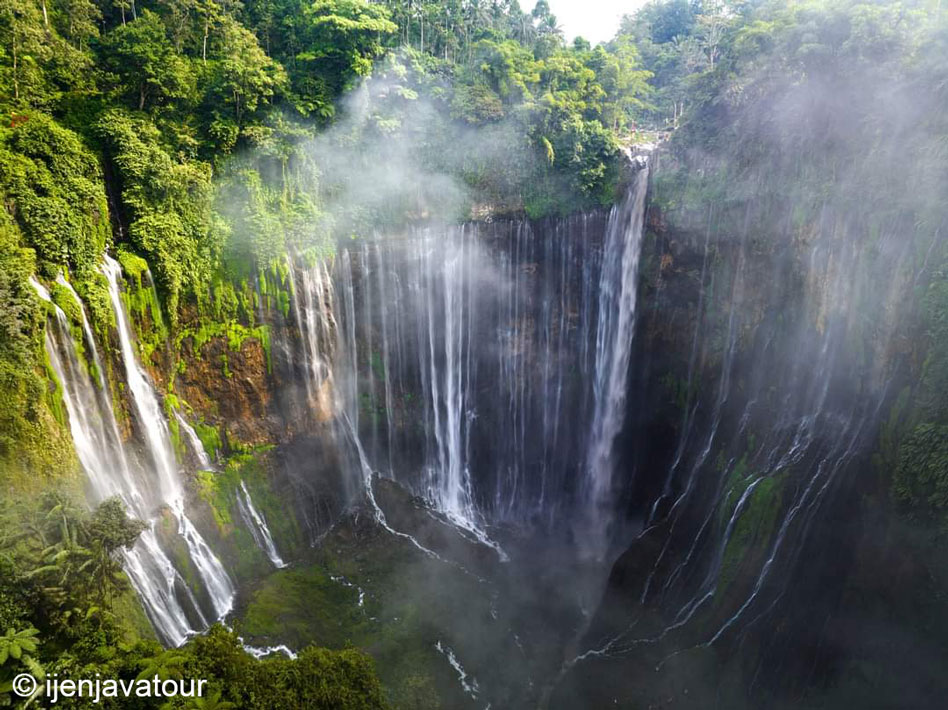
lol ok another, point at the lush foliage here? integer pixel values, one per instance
(65, 608)
(188, 132)
(201, 141)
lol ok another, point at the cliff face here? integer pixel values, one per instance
(770, 390)
(772, 351)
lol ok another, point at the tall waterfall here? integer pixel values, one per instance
(795, 378)
(484, 366)
(618, 286)
(219, 587)
(144, 487)
(102, 454)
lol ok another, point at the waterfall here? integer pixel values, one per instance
(485, 366)
(253, 519)
(312, 308)
(219, 587)
(194, 440)
(618, 285)
(101, 452)
(257, 525)
(794, 385)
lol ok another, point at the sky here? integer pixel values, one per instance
(596, 20)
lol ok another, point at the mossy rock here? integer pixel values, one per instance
(753, 529)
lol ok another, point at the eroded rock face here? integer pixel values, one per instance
(764, 356)
(231, 388)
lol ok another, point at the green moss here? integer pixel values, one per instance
(276, 287)
(94, 292)
(284, 528)
(142, 304)
(753, 528)
(127, 608)
(213, 492)
(398, 623)
(210, 438)
(236, 545)
(304, 605)
(54, 394)
(920, 482)
(232, 300)
(171, 405)
(737, 482)
(64, 299)
(233, 332)
(133, 265)
(68, 304)
(177, 550)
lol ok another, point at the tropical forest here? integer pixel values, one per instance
(474, 354)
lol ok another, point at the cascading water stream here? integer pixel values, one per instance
(253, 519)
(197, 447)
(257, 525)
(790, 412)
(313, 304)
(101, 452)
(496, 339)
(158, 442)
(617, 300)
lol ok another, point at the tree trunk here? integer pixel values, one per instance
(141, 98)
(16, 82)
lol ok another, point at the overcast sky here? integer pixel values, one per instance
(596, 20)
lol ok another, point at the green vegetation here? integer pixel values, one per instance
(181, 134)
(753, 530)
(297, 605)
(203, 142)
(67, 608)
(377, 594)
(60, 578)
(921, 476)
(53, 186)
(318, 678)
(821, 122)
(220, 490)
(231, 331)
(34, 446)
(782, 114)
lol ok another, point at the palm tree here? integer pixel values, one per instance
(62, 563)
(550, 27)
(104, 573)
